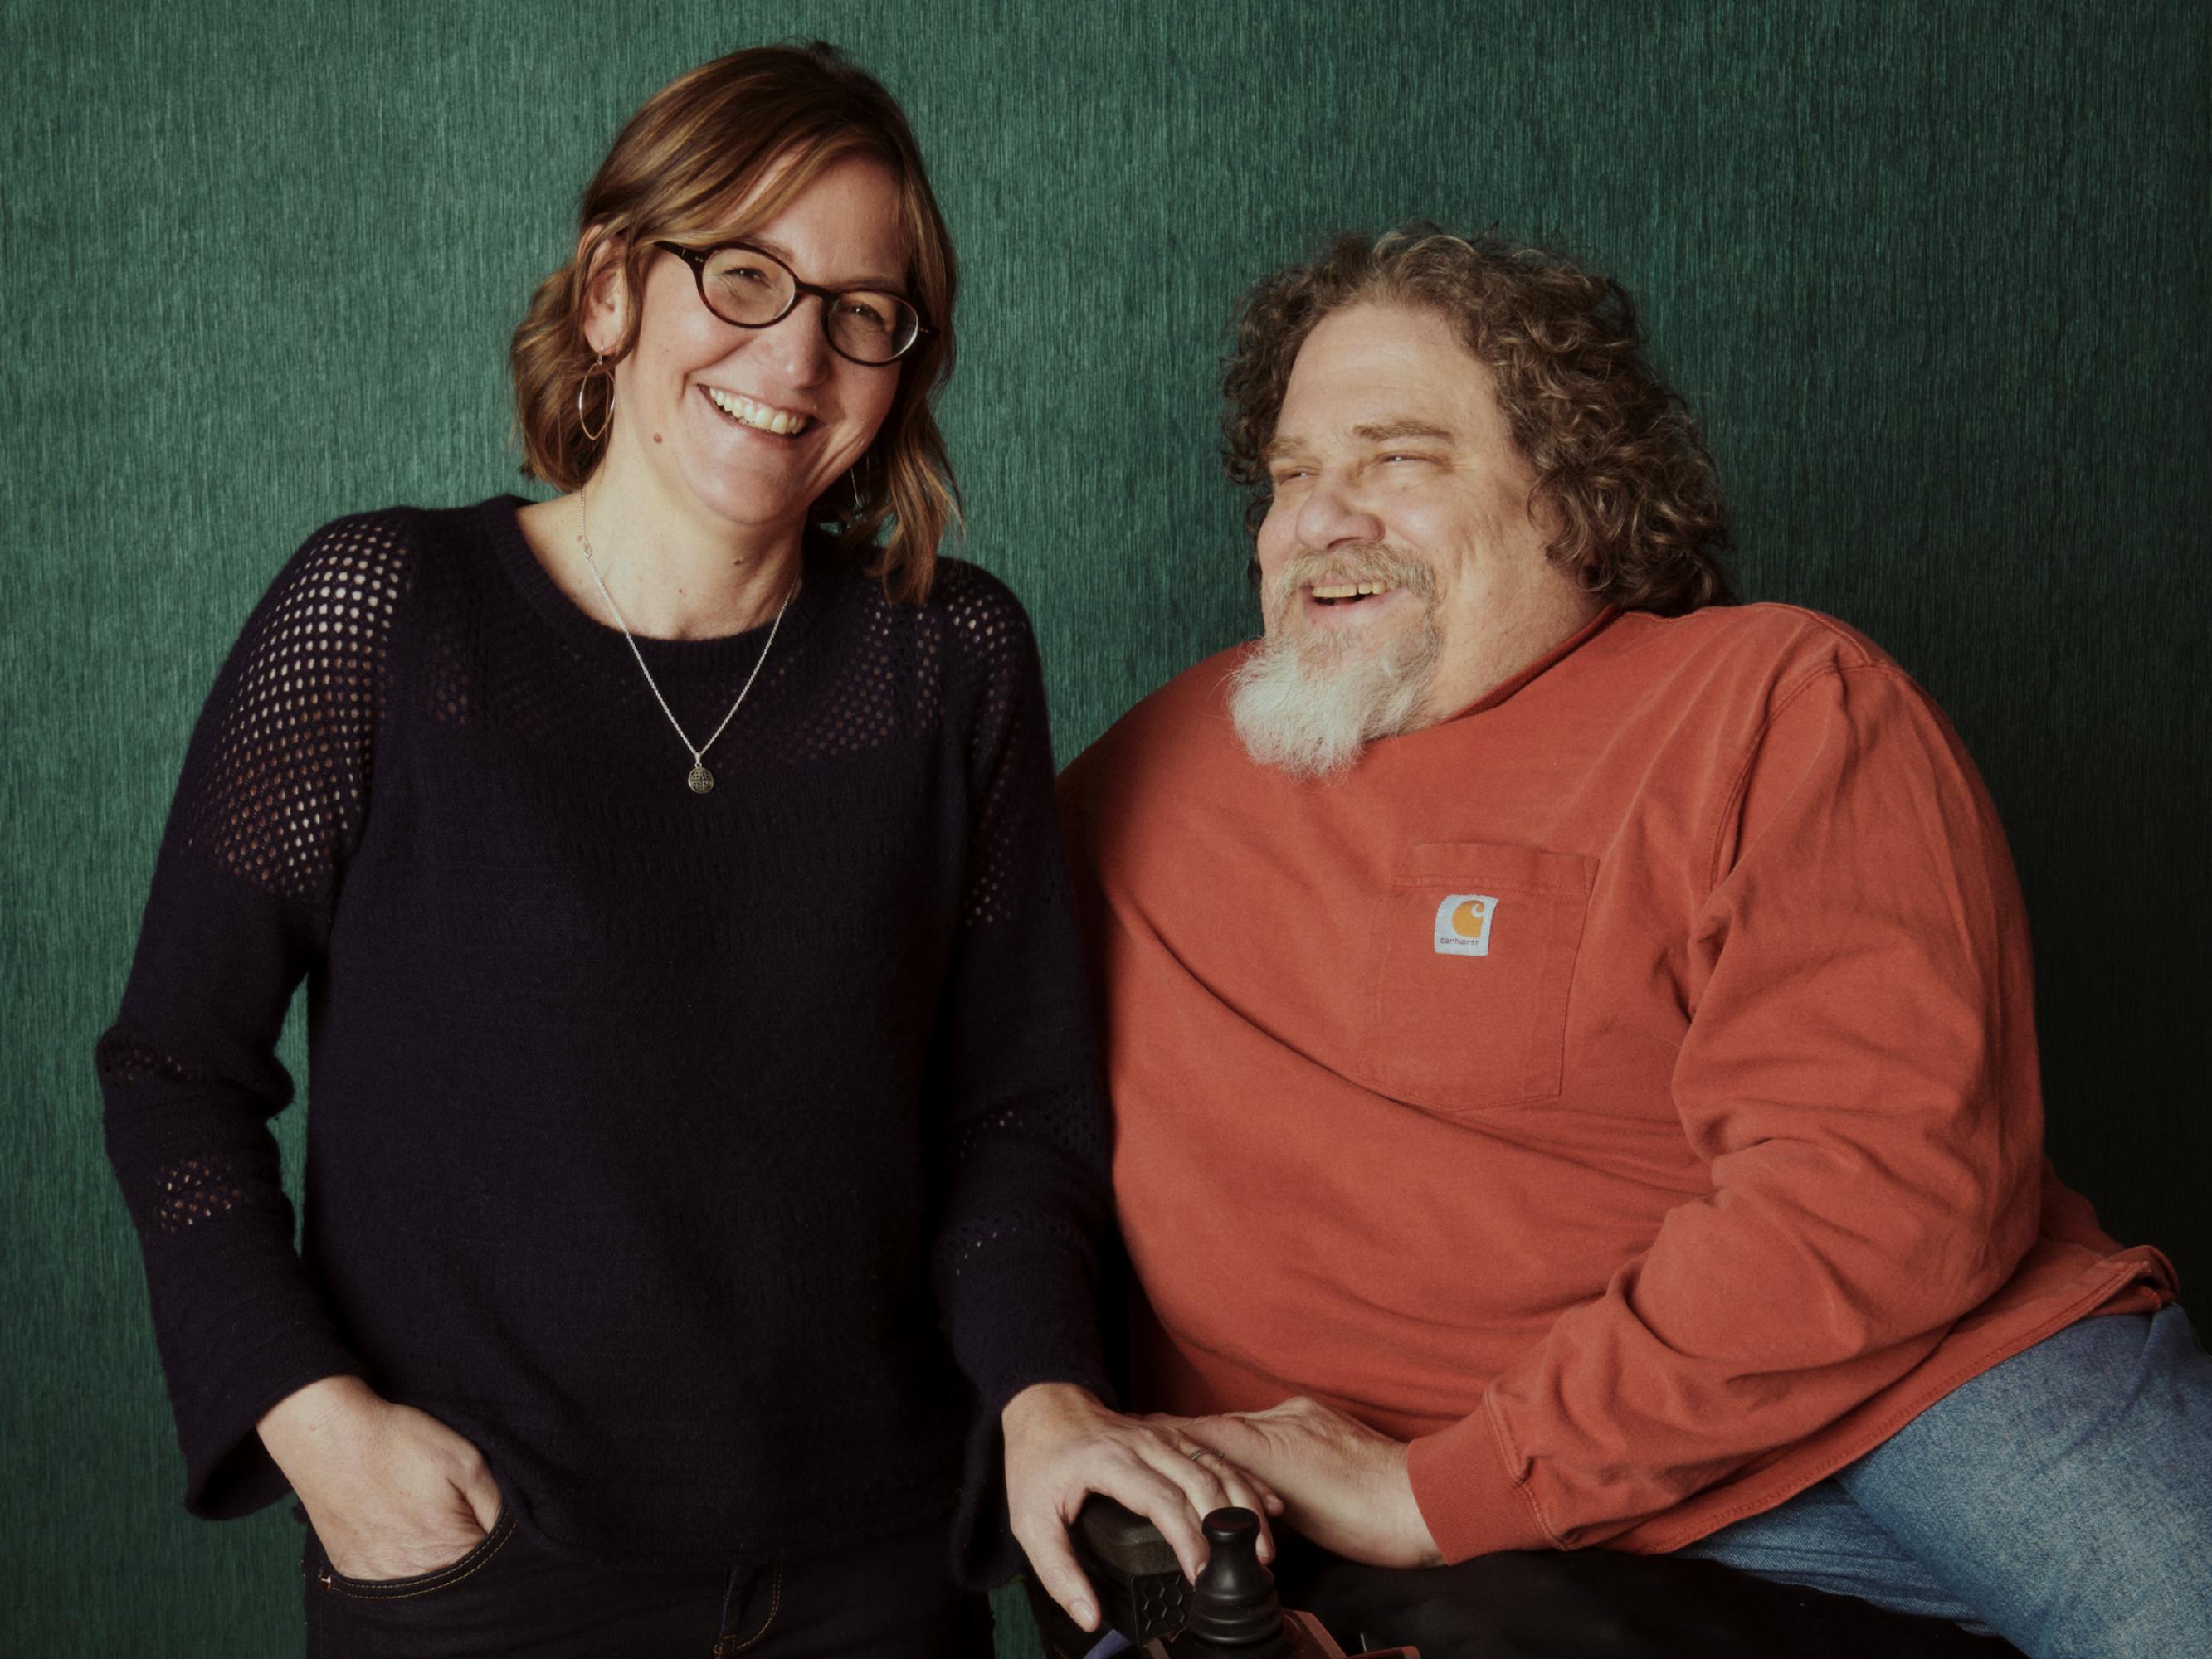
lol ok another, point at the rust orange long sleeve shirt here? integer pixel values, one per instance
(1624, 1090)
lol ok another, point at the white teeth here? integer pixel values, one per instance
(758, 416)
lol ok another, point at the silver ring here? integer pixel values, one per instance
(1197, 1455)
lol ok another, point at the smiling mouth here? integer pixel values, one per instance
(760, 417)
(1335, 594)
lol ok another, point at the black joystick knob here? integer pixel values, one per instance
(1233, 1607)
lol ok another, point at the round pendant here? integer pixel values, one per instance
(700, 779)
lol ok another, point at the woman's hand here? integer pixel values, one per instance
(392, 1492)
(1062, 1445)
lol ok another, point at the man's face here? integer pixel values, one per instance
(1401, 575)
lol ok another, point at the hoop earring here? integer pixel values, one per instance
(598, 367)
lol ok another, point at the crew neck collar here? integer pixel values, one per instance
(1550, 660)
(822, 572)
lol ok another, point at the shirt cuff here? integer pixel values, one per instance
(984, 1553)
(228, 1471)
(1468, 1495)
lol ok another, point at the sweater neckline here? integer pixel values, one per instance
(822, 572)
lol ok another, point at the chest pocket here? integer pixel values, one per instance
(1473, 958)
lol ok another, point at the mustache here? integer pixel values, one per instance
(1352, 561)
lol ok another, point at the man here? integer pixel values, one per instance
(1571, 1036)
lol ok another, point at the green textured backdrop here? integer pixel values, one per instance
(1933, 273)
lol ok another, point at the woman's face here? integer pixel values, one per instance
(675, 391)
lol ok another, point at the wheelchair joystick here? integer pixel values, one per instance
(1233, 1607)
(1150, 1608)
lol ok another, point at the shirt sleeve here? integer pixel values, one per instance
(1860, 1074)
(274, 792)
(1026, 1195)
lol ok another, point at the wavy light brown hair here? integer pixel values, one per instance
(1620, 467)
(694, 151)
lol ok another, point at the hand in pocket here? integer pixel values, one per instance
(392, 1492)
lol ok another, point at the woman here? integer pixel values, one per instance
(704, 1125)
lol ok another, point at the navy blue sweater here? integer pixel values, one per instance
(713, 1162)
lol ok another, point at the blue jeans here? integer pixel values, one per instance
(2062, 1499)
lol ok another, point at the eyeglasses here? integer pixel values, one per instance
(743, 285)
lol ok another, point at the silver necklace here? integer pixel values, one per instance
(699, 777)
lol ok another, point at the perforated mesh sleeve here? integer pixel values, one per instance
(275, 789)
(1027, 1198)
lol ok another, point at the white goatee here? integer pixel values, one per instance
(1309, 700)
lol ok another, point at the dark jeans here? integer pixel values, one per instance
(511, 1597)
(1600, 1604)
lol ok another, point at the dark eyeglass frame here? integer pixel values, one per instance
(697, 257)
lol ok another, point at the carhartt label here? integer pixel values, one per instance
(1463, 924)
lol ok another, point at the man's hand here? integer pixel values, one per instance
(392, 1492)
(1062, 1445)
(1345, 1485)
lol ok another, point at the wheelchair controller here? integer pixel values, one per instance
(1147, 1607)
